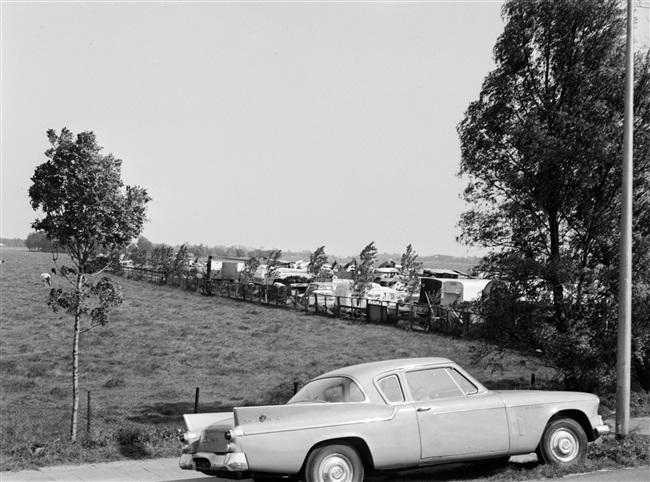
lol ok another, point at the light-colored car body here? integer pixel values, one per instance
(388, 415)
(320, 294)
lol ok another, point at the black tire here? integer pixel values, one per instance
(334, 463)
(563, 443)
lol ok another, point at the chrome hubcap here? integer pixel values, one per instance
(565, 445)
(336, 468)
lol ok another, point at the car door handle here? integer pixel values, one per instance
(424, 409)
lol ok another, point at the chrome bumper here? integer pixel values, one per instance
(235, 462)
(602, 429)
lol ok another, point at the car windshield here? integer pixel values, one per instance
(329, 390)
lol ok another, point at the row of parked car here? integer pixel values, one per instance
(329, 294)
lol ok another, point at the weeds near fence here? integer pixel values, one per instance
(22, 452)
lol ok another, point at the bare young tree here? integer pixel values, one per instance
(84, 209)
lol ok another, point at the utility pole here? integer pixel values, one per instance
(624, 343)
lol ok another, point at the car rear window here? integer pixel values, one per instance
(330, 390)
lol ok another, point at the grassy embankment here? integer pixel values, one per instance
(163, 343)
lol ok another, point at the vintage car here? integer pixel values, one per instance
(387, 416)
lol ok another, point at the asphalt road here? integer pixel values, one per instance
(167, 470)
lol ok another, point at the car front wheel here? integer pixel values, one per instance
(563, 443)
(334, 463)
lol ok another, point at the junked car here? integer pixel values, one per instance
(321, 294)
(386, 416)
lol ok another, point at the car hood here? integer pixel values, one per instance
(539, 397)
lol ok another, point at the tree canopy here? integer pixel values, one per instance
(364, 272)
(411, 268)
(85, 204)
(542, 149)
(317, 260)
(37, 241)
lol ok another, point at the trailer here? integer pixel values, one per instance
(447, 291)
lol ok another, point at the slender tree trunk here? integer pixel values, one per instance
(75, 380)
(556, 285)
(75, 361)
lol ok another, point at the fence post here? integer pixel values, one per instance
(196, 401)
(88, 416)
(295, 387)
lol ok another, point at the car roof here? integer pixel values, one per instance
(366, 373)
(371, 369)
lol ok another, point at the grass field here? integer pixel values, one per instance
(162, 344)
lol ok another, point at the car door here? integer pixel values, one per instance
(454, 417)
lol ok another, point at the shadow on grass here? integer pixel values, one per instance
(166, 413)
(135, 451)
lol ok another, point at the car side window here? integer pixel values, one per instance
(432, 384)
(464, 384)
(391, 389)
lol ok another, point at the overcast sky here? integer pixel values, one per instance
(285, 125)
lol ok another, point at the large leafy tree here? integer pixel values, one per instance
(37, 241)
(542, 148)
(85, 210)
(145, 245)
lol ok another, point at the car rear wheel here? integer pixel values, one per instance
(334, 463)
(563, 443)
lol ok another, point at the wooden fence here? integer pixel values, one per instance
(411, 316)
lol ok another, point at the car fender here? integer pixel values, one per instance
(529, 412)
(197, 422)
